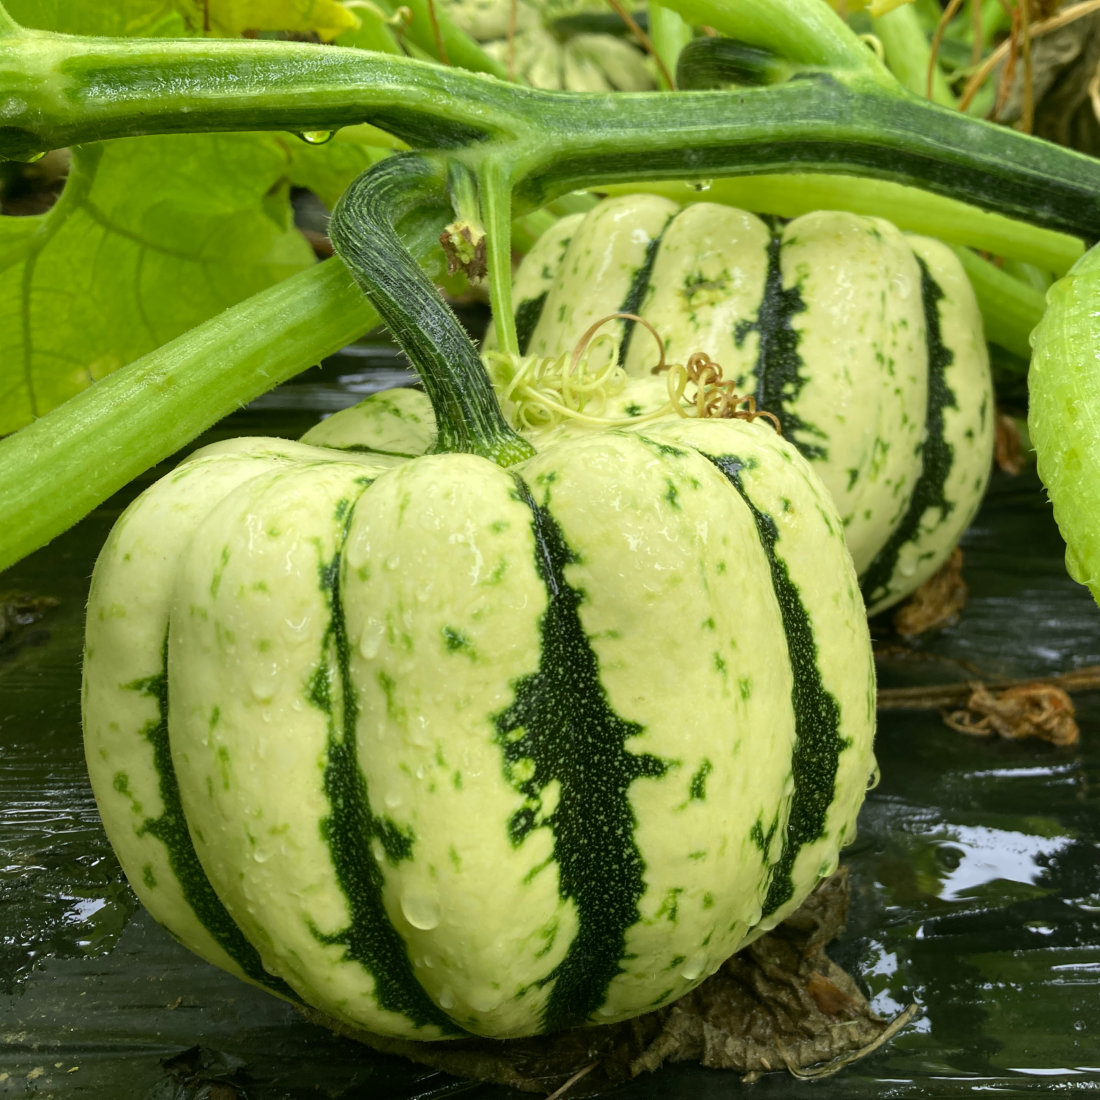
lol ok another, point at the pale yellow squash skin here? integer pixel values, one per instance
(969, 422)
(127, 622)
(858, 405)
(440, 606)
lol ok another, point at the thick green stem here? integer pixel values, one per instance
(718, 62)
(496, 207)
(909, 54)
(468, 416)
(861, 123)
(807, 31)
(459, 47)
(669, 33)
(65, 89)
(819, 124)
(58, 468)
(1010, 307)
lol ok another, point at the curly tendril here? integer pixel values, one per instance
(541, 392)
(714, 397)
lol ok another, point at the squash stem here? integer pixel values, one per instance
(853, 119)
(819, 123)
(496, 205)
(365, 234)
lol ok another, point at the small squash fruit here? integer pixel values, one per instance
(864, 342)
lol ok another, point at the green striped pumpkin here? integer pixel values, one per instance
(439, 747)
(867, 344)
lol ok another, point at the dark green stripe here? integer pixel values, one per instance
(171, 830)
(527, 317)
(352, 826)
(778, 369)
(561, 722)
(937, 455)
(818, 742)
(635, 296)
(362, 448)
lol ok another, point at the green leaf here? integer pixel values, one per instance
(328, 170)
(230, 18)
(131, 18)
(150, 237)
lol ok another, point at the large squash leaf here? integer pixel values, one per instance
(150, 237)
(129, 18)
(229, 18)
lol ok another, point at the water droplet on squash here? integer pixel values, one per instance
(421, 911)
(446, 999)
(316, 137)
(694, 967)
(263, 688)
(370, 641)
(392, 800)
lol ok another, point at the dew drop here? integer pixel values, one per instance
(392, 800)
(261, 855)
(446, 999)
(263, 688)
(694, 967)
(370, 641)
(421, 911)
(1039, 928)
(316, 137)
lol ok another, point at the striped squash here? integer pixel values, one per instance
(867, 344)
(440, 748)
(570, 45)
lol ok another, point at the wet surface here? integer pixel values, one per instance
(975, 876)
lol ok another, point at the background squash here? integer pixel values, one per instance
(867, 345)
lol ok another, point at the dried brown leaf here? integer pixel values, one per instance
(937, 602)
(1026, 710)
